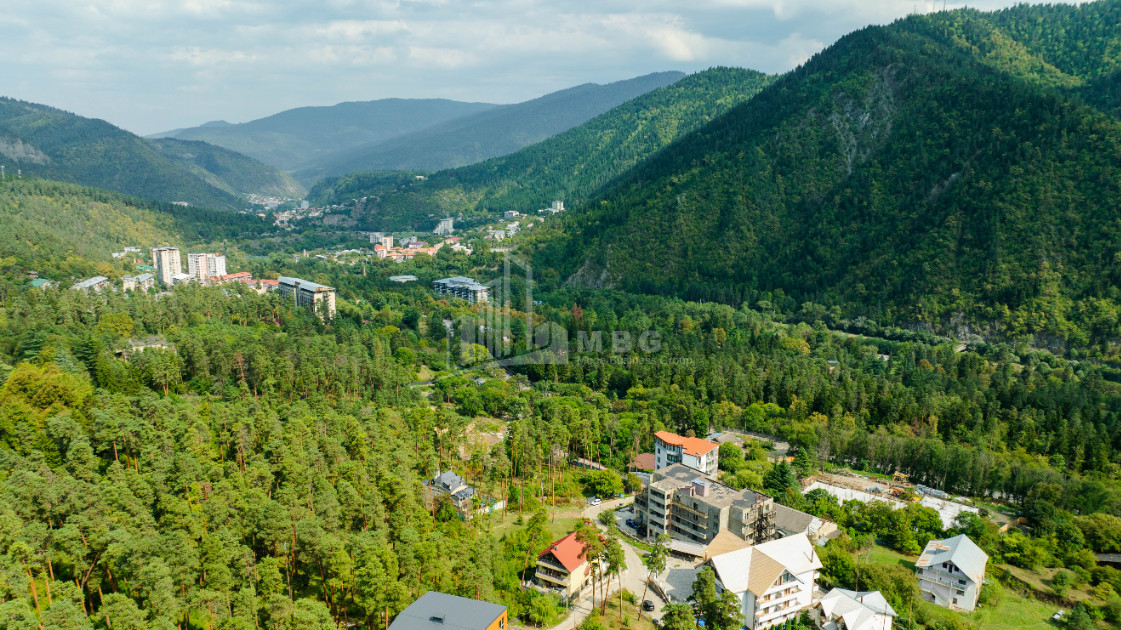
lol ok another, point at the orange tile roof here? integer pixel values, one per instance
(691, 446)
(567, 551)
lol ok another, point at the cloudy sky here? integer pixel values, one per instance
(153, 65)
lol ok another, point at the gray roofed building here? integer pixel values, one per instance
(440, 611)
(789, 521)
(853, 610)
(462, 287)
(95, 283)
(452, 485)
(951, 571)
(318, 297)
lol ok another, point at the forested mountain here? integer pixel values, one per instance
(231, 171)
(63, 231)
(293, 137)
(570, 166)
(486, 134)
(46, 142)
(945, 170)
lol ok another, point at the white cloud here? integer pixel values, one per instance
(155, 64)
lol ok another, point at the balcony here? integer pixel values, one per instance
(769, 613)
(936, 577)
(542, 563)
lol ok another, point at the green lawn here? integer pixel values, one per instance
(883, 555)
(1014, 611)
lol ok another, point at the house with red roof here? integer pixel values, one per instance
(562, 567)
(698, 454)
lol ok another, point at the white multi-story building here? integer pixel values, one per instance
(446, 226)
(167, 263)
(774, 581)
(203, 267)
(951, 572)
(319, 298)
(698, 454)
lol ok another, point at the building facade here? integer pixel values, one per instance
(462, 287)
(700, 455)
(445, 227)
(142, 282)
(679, 503)
(951, 572)
(774, 581)
(96, 283)
(561, 568)
(167, 264)
(319, 298)
(203, 267)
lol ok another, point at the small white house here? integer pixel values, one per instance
(842, 609)
(774, 581)
(951, 572)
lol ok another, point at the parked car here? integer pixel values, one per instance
(630, 523)
(594, 501)
(648, 605)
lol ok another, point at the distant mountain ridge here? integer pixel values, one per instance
(290, 138)
(491, 133)
(46, 142)
(570, 166)
(957, 171)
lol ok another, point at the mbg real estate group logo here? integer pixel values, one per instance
(504, 332)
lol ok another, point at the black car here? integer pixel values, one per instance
(648, 605)
(630, 523)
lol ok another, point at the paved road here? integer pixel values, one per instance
(634, 577)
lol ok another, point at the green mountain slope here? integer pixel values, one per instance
(904, 174)
(569, 166)
(487, 134)
(293, 137)
(230, 171)
(65, 231)
(46, 142)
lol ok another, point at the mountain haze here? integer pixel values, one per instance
(293, 137)
(487, 134)
(46, 142)
(571, 165)
(945, 170)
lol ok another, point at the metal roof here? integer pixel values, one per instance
(960, 550)
(304, 284)
(437, 611)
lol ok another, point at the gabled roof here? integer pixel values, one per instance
(724, 542)
(960, 550)
(567, 551)
(691, 446)
(859, 610)
(756, 568)
(436, 611)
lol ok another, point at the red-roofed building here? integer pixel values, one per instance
(241, 276)
(560, 567)
(643, 461)
(698, 454)
(268, 285)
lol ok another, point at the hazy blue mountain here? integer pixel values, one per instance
(498, 131)
(294, 136)
(229, 170)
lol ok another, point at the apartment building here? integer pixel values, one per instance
(690, 508)
(203, 267)
(951, 572)
(774, 581)
(700, 455)
(439, 611)
(462, 287)
(320, 298)
(167, 264)
(142, 282)
(96, 283)
(446, 226)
